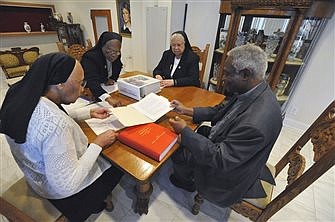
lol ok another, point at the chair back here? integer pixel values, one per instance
(76, 50)
(322, 136)
(202, 60)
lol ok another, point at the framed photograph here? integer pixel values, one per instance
(124, 17)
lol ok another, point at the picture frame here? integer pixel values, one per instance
(124, 17)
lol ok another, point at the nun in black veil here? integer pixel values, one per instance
(49, 146)
(102, 65)
(179, 65)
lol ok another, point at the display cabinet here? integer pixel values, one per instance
(70, 34)
(286, 30)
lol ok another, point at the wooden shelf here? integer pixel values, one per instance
(16, 34)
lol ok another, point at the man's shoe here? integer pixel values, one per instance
(188, 187)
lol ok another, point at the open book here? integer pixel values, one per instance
(147, 110)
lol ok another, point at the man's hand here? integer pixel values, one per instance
(100, 113)
(159, 77)
(105, 139)
(113, 102)
(167, 83)
(180, 108)
(177, 124)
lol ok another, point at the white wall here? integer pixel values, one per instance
(201, 26)
(316, 88)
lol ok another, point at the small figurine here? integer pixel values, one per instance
(69, 17)
(42, 27)
(26, 27)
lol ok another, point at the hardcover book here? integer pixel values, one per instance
(150, 139)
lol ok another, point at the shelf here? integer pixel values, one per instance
(295, 61)
(16, 34)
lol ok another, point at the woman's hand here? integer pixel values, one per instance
(105, 139)
(100, 113)
(177, 124)
(159, 77)
(110, 82)
(113, 102)
(167, 83)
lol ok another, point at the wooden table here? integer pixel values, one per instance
(138, 165)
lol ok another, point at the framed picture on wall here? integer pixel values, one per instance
(124, 17)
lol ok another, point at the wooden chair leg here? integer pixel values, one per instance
(198, 200)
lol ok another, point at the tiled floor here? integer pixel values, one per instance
(168, 203)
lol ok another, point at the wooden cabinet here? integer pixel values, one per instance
(286, 30)
(70, 34)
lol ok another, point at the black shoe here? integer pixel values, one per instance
(188, 187)
(99, 208)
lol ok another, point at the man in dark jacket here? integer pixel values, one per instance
(226, 161)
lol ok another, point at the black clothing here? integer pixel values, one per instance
(80, 206)
(95, 65)
(22, 98)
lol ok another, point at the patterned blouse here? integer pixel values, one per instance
(56, 159)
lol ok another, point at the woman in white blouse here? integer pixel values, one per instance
(49, 146)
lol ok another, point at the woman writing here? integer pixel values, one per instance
(179, 66)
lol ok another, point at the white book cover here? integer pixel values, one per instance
(138, 86)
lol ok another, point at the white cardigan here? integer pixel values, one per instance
(56, 159)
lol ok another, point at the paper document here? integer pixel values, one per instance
(110, 88)
(147, 110)
(101, 125)
(79, 103)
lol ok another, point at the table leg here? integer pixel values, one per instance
(143, 192)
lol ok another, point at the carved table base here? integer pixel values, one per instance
(143, 192)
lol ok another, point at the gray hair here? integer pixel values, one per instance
(250, 57)
(177, 36)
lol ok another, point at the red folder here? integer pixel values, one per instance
(151, 139)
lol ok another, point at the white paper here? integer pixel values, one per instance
(153, 106)
(79, 103)
(110, 88)
(101, 125)
(147, 110)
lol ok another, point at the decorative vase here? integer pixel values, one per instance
(42, 27)
(26, 27)
(69, 17)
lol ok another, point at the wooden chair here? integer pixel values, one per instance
(76, 50)
(202, 63)
(322, 135)
(21, 203)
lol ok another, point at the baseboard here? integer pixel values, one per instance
(295, 124)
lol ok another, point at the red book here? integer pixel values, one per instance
(151, 139)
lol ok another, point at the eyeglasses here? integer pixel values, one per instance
(115, 52)
(83, 83)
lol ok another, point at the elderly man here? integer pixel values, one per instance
(226, 161)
